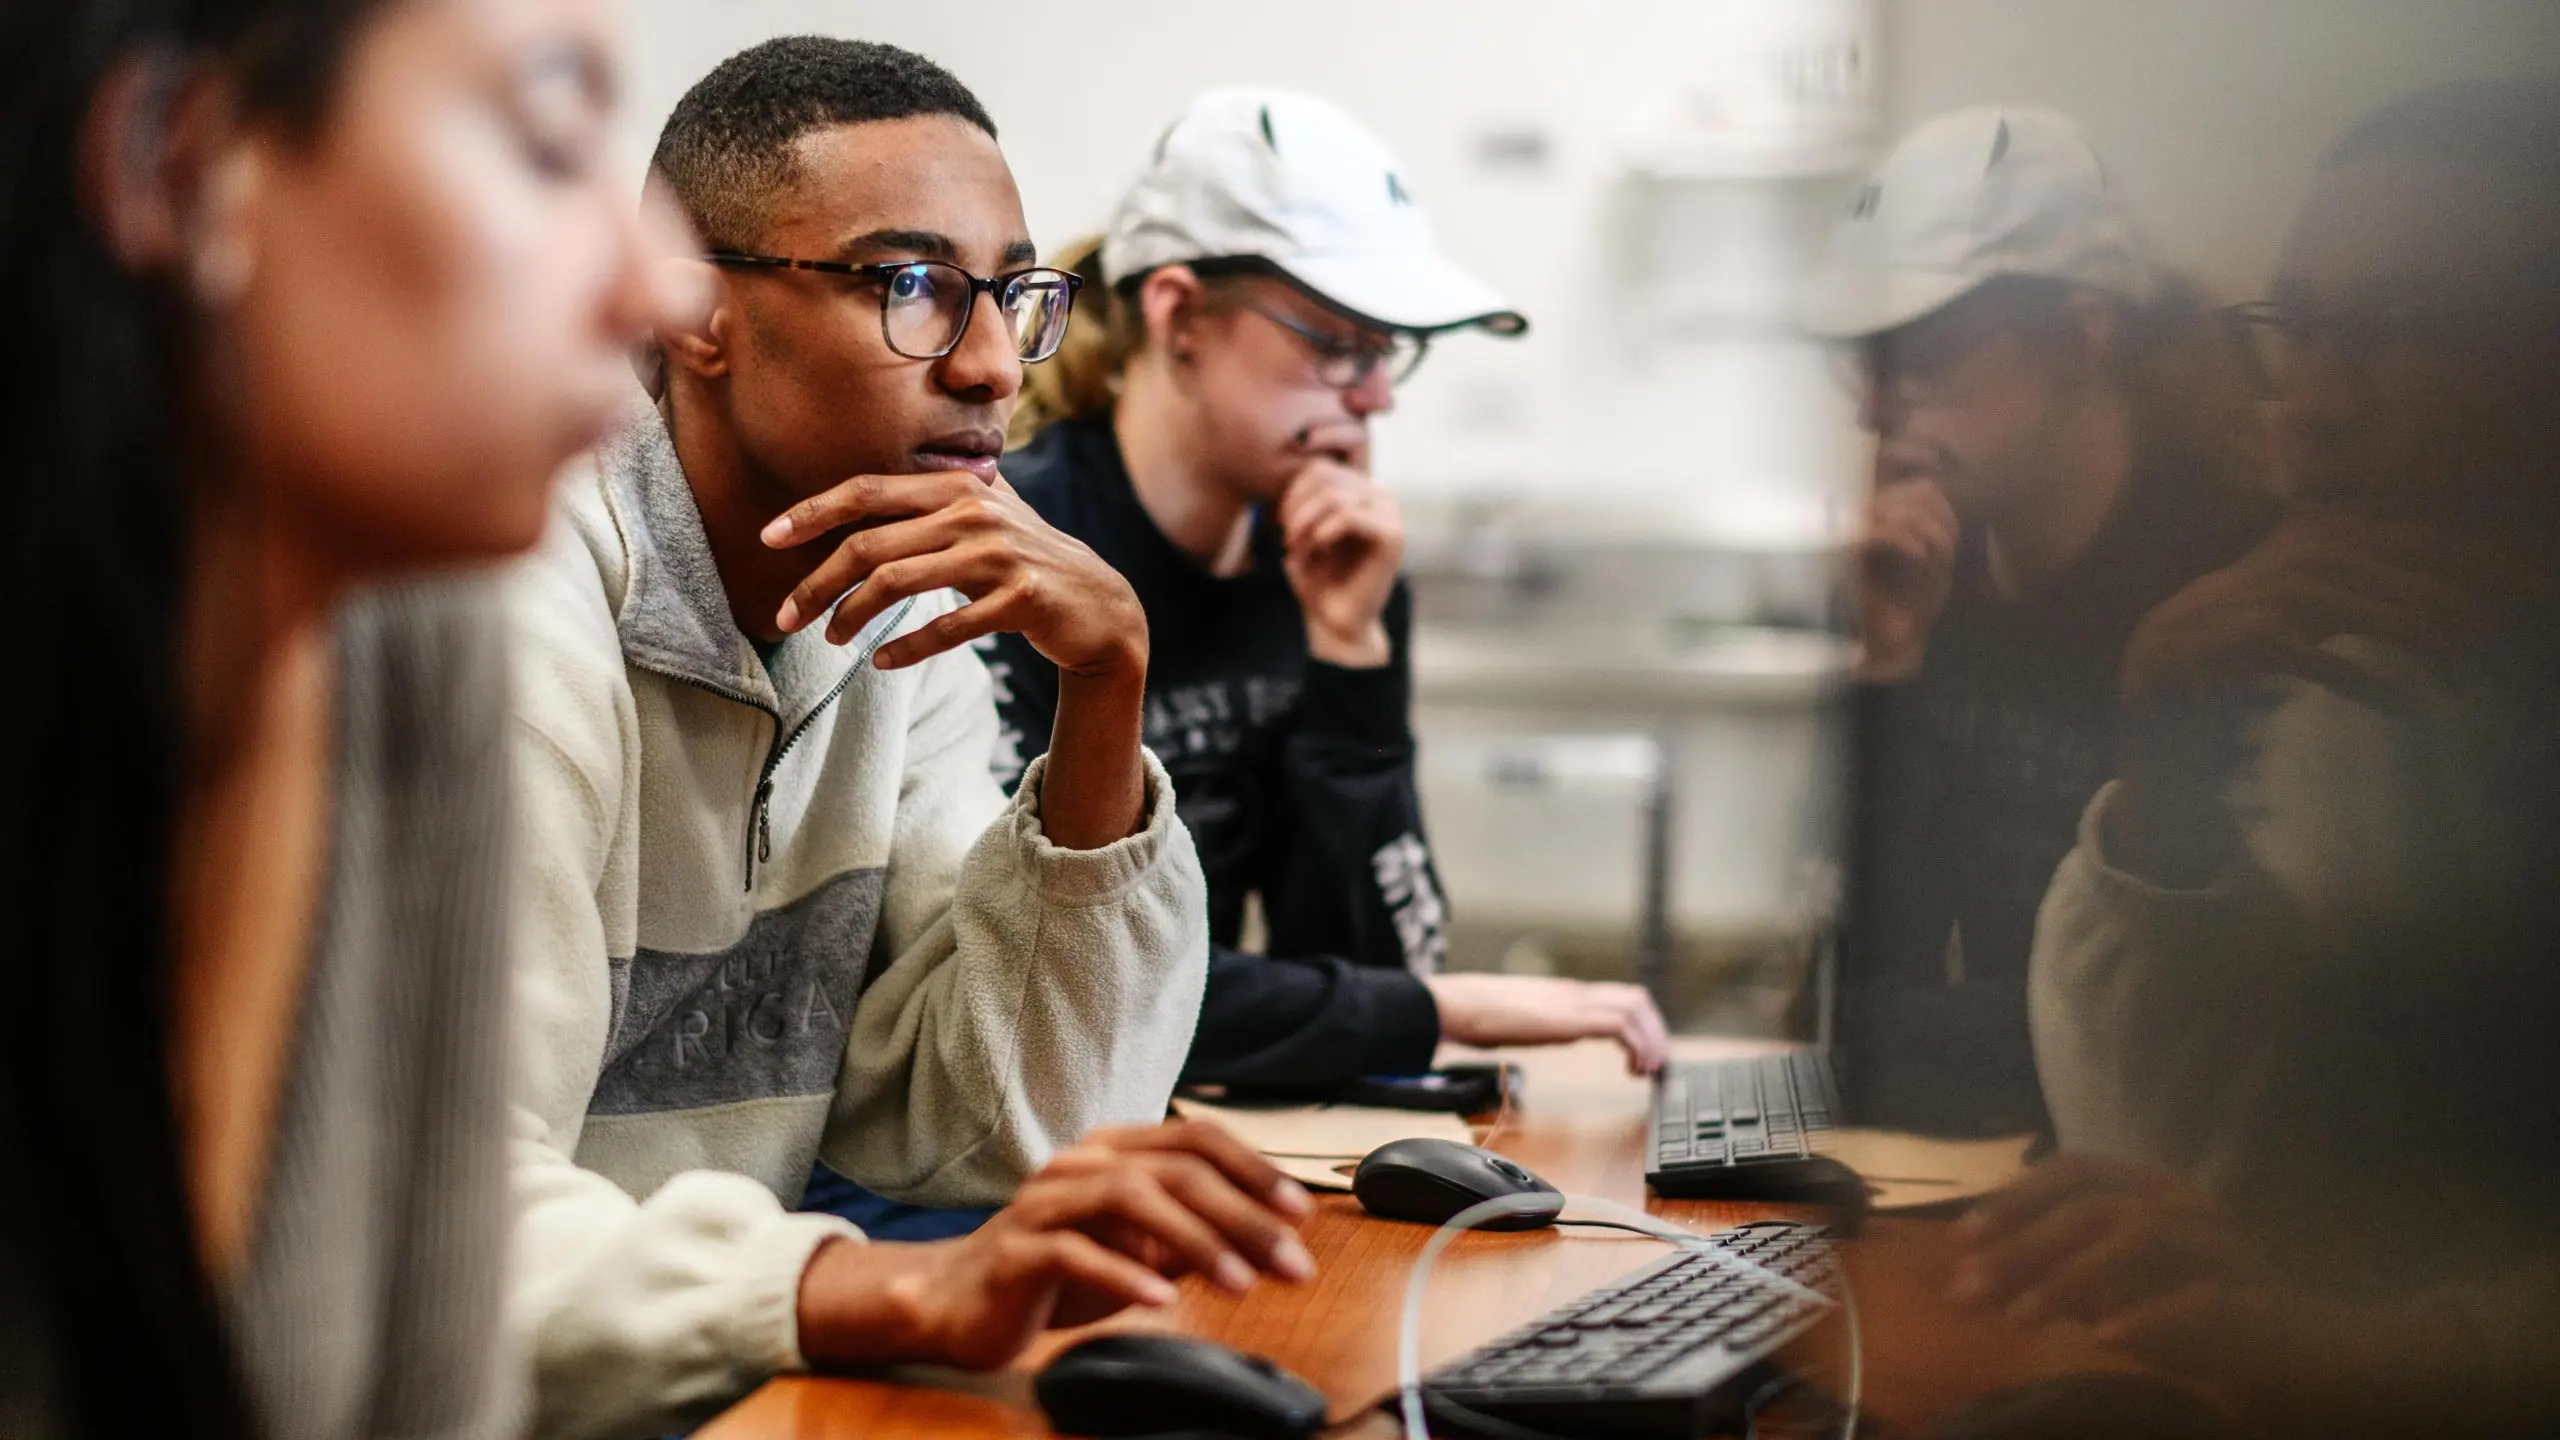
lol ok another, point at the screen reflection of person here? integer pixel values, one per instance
(1209, 436)
(2292, 989)
(2058, 449)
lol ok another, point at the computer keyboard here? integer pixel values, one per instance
(1755, 1128)
(1678, 1348)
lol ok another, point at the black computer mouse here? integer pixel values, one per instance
(1430, 1180)
(1140, 1383)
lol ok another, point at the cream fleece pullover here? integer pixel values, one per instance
(773, 915)
(2348, 1026)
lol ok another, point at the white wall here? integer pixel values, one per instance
(2210, 113)
(1081, 89)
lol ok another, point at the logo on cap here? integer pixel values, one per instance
(1395, 190)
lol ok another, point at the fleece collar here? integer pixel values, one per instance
(674, 617)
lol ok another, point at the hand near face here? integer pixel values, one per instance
(1906, 569)
(1107, 1224)
(2195, 669)
(1541, 1010)
(948, 529)
(2325, 572)
(1345, 538)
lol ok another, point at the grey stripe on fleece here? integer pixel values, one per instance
(765, 1018)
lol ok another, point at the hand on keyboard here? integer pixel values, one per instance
(1537, 1010)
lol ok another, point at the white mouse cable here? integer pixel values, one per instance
(1654, 1225)
(1409, 1327)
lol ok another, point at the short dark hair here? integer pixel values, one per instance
(728, 146)
(2512, 126)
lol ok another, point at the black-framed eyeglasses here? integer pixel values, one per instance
(1345, 364)
(925, 305)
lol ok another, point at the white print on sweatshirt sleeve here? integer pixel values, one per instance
(1403, 869)
(1006, 759)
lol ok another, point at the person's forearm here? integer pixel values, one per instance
(863, 1304)
(1095, 790)
(1307, 1021)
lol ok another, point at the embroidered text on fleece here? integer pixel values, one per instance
(778, 911)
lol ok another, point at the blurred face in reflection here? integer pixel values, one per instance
(1969, 397)
(2418, 297)
(1262, 405)
(434, 284)
(816, 394)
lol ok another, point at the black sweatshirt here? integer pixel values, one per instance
(1970, 780)
(1295, 778)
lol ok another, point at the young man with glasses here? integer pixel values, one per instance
(777, 909)
(2057, 451)
(1260, 292)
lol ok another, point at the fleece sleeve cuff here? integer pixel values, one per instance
(1094, 877)
(769, 1280)
(2134, 894)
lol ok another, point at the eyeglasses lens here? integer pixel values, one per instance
(1036, 306)
(1404, 356)
(925, 306)
(2263, 342)
(921, 307)
(2271, 352)
(1346, 367)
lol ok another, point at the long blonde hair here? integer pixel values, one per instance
(1107, 330)
(1083, 378)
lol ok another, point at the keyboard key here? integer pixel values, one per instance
(1742, 1102)
(1695, 1303)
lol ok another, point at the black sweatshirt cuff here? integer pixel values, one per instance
(1370, 707)
(1403, 1032)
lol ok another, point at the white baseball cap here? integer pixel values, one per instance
(1966, 197)
(1291, 179)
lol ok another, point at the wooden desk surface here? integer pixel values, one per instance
(1581, 1127)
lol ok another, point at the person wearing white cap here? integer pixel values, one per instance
(2058, 450)
(1262, 288)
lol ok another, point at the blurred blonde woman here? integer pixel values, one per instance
(1261, 291)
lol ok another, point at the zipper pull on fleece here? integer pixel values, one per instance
(760, 831)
